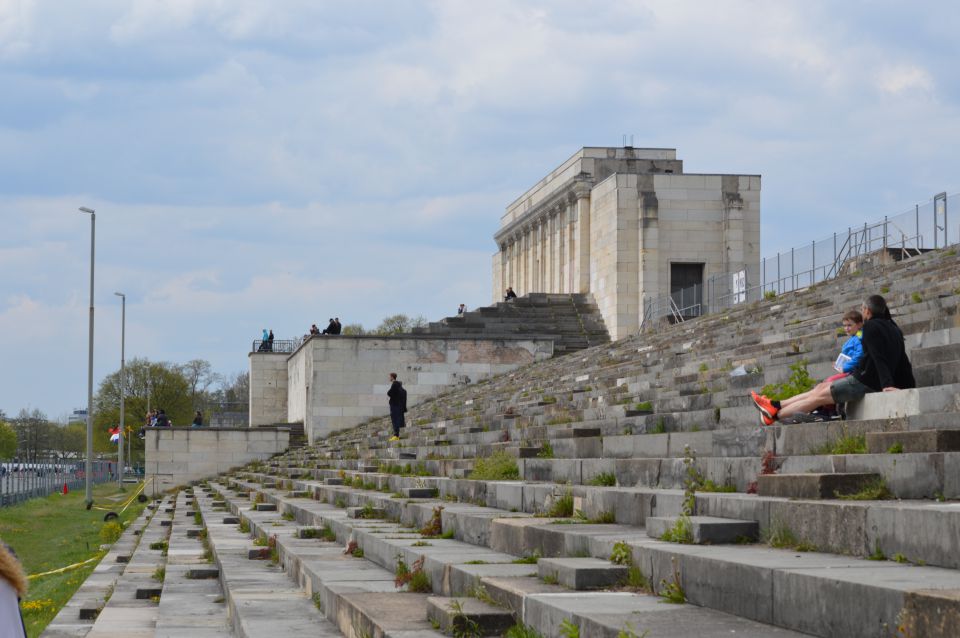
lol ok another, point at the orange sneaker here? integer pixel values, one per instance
(768, 411)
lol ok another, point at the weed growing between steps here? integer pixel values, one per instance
(463, 626)
(434, 526)
(528, 560)
(562, 506)
(499, 466)
(680, 532)
(673, 591)
(779, 536)
(569, 629)
(603, 479)
(846, 444)
(412, 576)
(546, 451)
(798, 383)
(635, 579)
(875, 490)
(521, 630)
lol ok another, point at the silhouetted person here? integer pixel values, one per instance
(398, 405)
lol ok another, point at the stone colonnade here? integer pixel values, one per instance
(550, 250)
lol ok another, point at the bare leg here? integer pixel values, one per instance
(803, 396)
(806, 402)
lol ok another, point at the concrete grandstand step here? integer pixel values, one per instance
(261, 599)
(581, 573)
(191, 602)
(826, 485)
(707, 530)
(914, 441)
(468, 616)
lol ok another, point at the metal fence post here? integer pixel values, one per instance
(884, 233)
(916, 213)
(813, 262)
(793, 271)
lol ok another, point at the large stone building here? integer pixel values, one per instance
(629, 226)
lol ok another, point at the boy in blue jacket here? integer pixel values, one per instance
(849, 360)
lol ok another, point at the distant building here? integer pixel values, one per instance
(78, 416)
(628, 226)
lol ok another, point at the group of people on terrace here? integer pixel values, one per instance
(334, 327)
(873, 359)
(266, 341)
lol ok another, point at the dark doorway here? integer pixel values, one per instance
(686, 288)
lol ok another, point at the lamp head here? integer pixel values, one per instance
(84, 209)
(120, 294)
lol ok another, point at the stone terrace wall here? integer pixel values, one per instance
(176, 456)
(268, 388)
(339, 382)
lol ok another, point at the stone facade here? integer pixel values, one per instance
(333, 383)
(622, 223)
(176, 456)
(268, 388)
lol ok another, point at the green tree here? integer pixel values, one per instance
(8, 441)
(153, 384)
(399, 324)
(353, 329)
(35, 435)
(200, 379)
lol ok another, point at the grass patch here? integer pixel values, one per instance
(846, 444)
(896, 448)
(499, 466)
(875, 490)
(680, 532)
(779, 536)
(546, 451)
(604, 479)
(521, 630)
(798, 383)
(710, 486)
(562, 506)
(528, 560)
(53, 532)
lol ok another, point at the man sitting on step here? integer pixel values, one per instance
(883, 367)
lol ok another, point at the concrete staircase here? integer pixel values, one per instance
(633, 475)
(573, 319)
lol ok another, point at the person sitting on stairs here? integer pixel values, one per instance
(883, 367)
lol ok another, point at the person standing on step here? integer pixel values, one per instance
(398, 405)
(884, 367)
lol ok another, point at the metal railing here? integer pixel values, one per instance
(277, 345)
(22, 481)
(902, 236)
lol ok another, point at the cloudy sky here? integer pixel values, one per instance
(260, 163)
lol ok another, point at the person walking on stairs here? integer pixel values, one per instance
(883, 367)
(398, 405)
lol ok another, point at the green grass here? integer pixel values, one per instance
(499, 466)
(603, 479)
(680, 532)
(53, 532)
(562, 506)
(875, 490)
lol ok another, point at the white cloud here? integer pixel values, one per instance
(902, 78)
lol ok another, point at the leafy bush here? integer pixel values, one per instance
(798, 383)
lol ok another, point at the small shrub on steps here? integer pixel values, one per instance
(499, 466)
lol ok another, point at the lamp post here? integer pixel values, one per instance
(88, 468)
(123, 384)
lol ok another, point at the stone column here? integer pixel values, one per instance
(562, 220)
(581, 253)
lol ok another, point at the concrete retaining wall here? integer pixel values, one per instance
(176, 456)
(339, 382)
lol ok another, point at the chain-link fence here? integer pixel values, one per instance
(22, 481)
(926, 227)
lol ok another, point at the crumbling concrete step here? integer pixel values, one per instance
(814, 485)
(581, 573)
(916, 441)
(468, 616)
(261, 599)
(707, 530)
(192, 602)
(131, 610)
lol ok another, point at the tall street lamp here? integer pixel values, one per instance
(123, 383)
(88, 468)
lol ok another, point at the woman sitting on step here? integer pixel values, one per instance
(883, 367)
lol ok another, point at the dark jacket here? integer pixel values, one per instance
(398, 396)
(884, 363)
